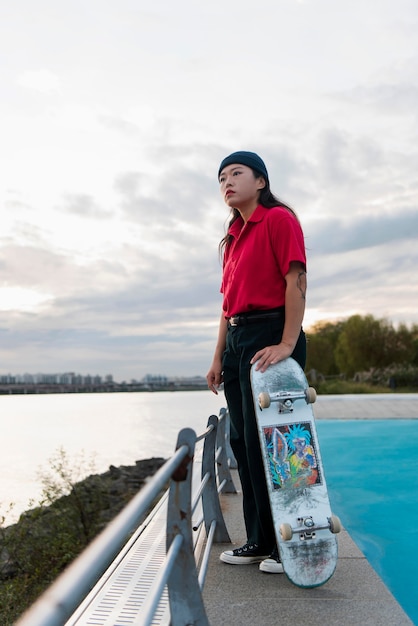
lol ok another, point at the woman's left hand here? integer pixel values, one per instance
(271, 355)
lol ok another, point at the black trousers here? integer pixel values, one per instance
(242, 343)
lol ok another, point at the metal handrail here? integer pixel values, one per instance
(179, 571)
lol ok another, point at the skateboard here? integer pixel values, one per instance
(304, 525)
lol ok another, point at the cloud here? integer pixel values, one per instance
(343, 234)
(84, 205)
(109, 154)
(175, 196)
(393, 98)
(120, 125)
(366, 280)
(42, 80)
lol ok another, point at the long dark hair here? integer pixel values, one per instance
(266, 198)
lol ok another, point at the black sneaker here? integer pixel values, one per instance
(250, 553)
(272, 565)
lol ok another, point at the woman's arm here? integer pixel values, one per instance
(214, 376)
(294, 310)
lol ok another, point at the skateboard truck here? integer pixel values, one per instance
(286, 399)
(306, 528)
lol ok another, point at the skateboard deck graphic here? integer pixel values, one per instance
(304, 525)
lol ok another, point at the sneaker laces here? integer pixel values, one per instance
(248, 547)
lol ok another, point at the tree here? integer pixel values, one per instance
(414, 341)
(366, 342)
(398, 344)
(322, 339)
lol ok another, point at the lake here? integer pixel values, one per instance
(109, 428)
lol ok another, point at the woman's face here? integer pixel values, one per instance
(239, 187)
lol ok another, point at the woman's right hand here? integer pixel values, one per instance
(214, 376)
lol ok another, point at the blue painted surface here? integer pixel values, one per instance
(371, 468)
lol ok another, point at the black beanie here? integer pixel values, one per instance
(250, 159)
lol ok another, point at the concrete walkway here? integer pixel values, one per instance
(376, 406)
(355, 595)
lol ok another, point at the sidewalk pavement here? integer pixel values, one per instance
(368, 406)
(354, 596)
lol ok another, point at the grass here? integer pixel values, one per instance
(341, 387)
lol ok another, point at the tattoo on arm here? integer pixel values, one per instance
(301, 284)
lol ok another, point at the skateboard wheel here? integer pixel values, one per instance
(335, 524)
(310, 395)
(264, 400)
(286, 532)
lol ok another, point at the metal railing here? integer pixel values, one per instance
(179, 573)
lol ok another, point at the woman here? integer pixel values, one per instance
(264, 287)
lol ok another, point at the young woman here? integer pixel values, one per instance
(264, 288)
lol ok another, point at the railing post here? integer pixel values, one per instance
(186, 603)
(224, 473)
(210, 498)
(224, 414)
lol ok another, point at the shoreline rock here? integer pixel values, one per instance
(89, 507)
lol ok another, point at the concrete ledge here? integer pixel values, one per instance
(242, 595)
(367, 406)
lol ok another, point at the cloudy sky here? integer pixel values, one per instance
(114, 117)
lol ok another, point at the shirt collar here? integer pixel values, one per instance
(257, 216)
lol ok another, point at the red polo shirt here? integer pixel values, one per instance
(258, 258)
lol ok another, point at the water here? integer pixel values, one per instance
(116, 429)
(372, 476)
(371, 466)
